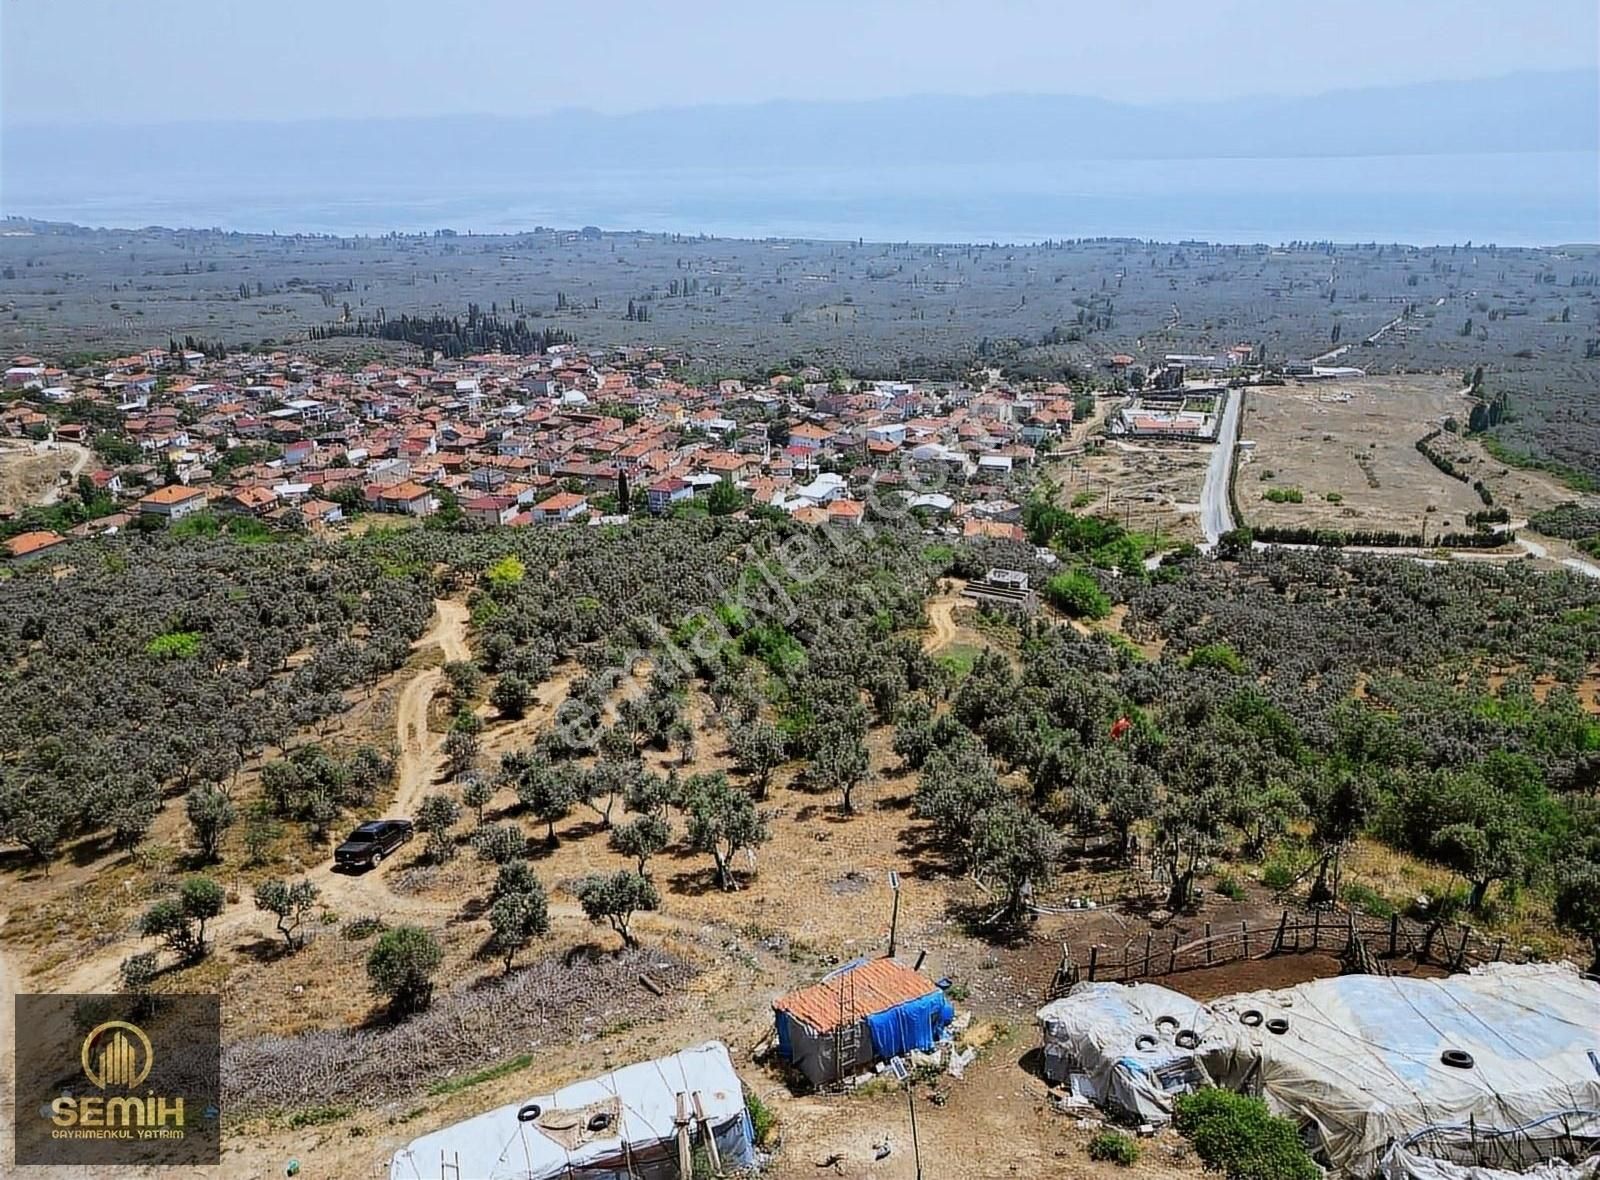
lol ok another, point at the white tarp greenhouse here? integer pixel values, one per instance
(1130, 1047)
(619, 1126)
(1371, 1059)
(1365, 1062)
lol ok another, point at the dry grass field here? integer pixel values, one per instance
(30, 474)
(1349, 449)
(1147, 487)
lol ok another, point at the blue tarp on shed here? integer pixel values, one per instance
(915, 1024)
(785, 1049)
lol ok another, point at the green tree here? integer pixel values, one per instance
(1577, 901)
(722, 822)
(759, 749)
(401, 968)
(180, 921)
(436, 816)
(290, 903)
(616, 898)
(516, 919)
(1340, 803)
(1491, 847)
(504, 574)
(511, 696)
(1235, 544)
(642, 838)
(1077, 595)
(724, 499)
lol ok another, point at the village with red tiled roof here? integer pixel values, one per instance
(549, 439)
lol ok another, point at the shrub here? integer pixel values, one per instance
(1368, 900)
(174, 645)
(763, 1119)
(1114, 1147)
(402, 966)
(1230, 888)
(139, 971)
(1215, 655)
(362, 928)
(1282, 870)
(1237, 1135)
(1078, 595)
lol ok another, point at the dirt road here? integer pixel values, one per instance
(421, 755)
(941, 617)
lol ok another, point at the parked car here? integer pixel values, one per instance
(371, 842)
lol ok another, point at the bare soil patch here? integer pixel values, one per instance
(1349, 449)
(1147, 487)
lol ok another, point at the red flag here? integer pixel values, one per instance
(1122, 726)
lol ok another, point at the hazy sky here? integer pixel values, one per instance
(162, 60)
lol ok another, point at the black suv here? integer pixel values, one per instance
(371, 842)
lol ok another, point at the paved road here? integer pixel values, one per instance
(1216, 517)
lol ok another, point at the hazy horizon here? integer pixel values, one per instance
(1231, 121)
(106, 61)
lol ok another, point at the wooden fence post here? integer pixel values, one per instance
(1172, 959)
(1244, 935)
(1208, 944)
(1149, 937)
(1094, 959)
(1283, 922)
(1316, 930)
(1394, 933)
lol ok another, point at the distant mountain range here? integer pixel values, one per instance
(1515, 113)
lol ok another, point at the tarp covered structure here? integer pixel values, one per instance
(1118, 1046)
(1363, 1062)
(620, 1126)
(866, 1011)
(1368, 1059)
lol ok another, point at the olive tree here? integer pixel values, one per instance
(615, 899)
(401, 967)
(290, 903)
(723, 821)
(516, 919)
(180, 921)
(642, 838)
(759, 748)
(436, 816)
(211, 813)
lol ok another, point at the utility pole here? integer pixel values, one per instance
(894, 914)
(902, 1073)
